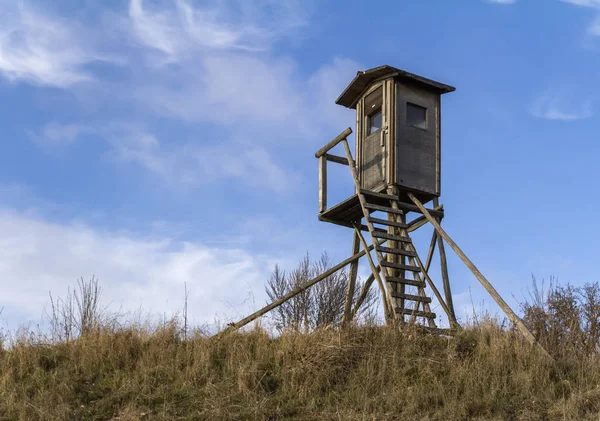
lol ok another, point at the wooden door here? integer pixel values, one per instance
(372, 169)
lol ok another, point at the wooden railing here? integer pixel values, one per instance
(323, 157)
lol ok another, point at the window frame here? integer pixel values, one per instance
(426, 128)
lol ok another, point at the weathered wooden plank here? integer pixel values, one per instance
(417, 223)
(352, 275)
(363, 295)
(405, 281)
(392, 237)
(322, 184)
(399, 252)
(379, 195)
(444, 270)
(400, 266)
(336, 159)
(431, 250)
(403, 207)
(383, 209)
(486, 284)
(393, 258)
(411, 297)
(416, 313)
(343, 135)
(366, 228)
(388, 223)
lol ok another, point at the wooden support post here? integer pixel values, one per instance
(399, 303)
(322, 184)
(352, 275)
(300, 289)
(486, 284)
(387, 303)
(363, 295)
(444, 269)
(431, 251)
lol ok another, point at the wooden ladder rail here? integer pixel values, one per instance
(388, 301)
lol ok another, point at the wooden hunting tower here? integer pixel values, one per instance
(396, 171)
(397, 130)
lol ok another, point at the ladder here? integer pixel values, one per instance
(398, 261)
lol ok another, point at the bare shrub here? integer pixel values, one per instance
(79, 313)
(319, 306)
(566, 320)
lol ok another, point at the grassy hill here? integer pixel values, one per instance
(366, 373)
(95, 366)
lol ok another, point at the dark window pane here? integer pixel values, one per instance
(374, 123)
(416, 116)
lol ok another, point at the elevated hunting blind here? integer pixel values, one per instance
(396, 171)
(397, 130)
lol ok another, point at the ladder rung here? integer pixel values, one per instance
(405, 281)
(406, 207)
(380, 195)
(366, 228)
(399, 252)
(400, 266)
(417, 313)
(388, 223)
(411, 297)
(384, 209)
(392, 237)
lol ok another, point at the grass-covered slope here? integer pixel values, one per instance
(368, 373)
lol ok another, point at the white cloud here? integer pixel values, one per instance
(584, 3)
(227, 25)
(178, 164)
(554, 108)
(37, 256)
(220, 66)
(43, 49)
(503, 1)
(57, 135)
(212, 65)
(594, 28)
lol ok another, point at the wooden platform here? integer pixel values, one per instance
(349, 211)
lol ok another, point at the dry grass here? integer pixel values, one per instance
(367, 373)
(94, 367)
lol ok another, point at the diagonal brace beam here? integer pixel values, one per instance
(486, 284)
(300, 289)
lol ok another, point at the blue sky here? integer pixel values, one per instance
(157, 143)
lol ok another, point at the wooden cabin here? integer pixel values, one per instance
(398, 130)
(398, 137)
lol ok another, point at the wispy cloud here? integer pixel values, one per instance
(55, 135)
(43, 49)
(228, 25)
(204, 64)
(554, 108)
(594, 28)
(134, 271)
(178, 164)
(502, 1)
(584, 3)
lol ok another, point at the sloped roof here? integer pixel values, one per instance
(365, 77)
